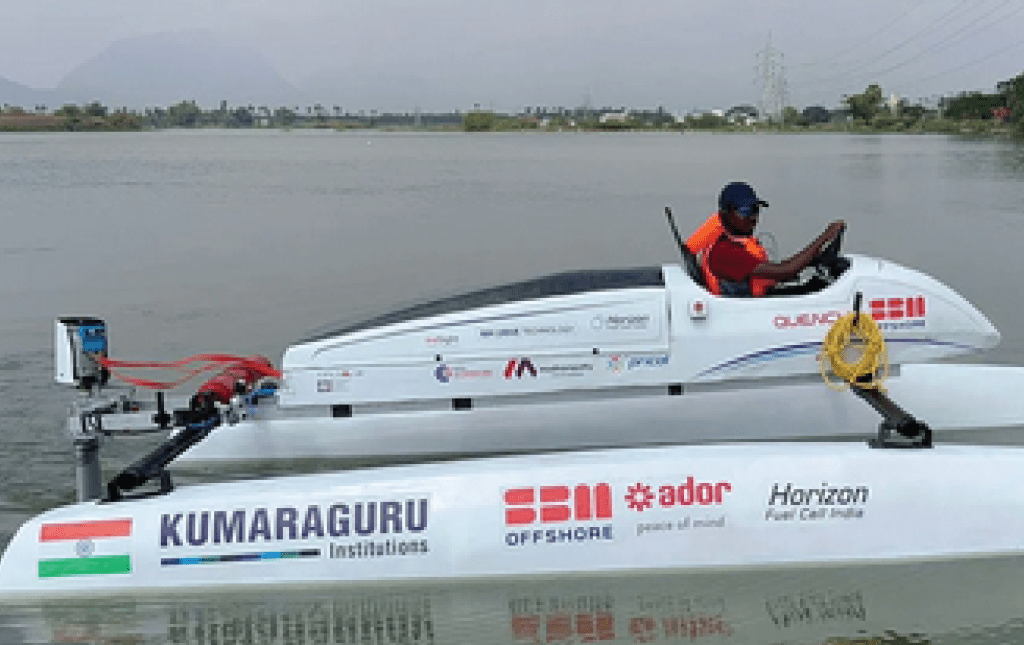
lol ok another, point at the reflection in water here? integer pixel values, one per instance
(947, 602)
(1009, 162)
(369, 620)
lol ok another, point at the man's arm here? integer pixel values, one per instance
(793, 265)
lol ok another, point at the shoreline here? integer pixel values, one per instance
(35, 124)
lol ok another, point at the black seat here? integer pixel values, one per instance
(692, 266)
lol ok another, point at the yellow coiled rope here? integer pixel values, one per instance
(854, 352)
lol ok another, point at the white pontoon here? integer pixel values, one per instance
(684, 508)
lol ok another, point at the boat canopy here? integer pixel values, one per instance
(559, 284)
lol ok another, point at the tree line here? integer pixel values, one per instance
(868, 110)
(187, 114)
(1004, 106)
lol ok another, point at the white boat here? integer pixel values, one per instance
(595, 359)
(605, 354)
(621, 511)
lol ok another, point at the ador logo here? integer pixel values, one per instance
(690, 493)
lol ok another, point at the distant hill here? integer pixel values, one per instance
(159, 70)
(25, 97)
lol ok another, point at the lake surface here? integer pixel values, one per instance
(241, 242)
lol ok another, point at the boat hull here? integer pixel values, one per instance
(945, 396)
(681, 508)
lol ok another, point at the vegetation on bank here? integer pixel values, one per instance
(68, 118)
(1000, 113)
(186, 114)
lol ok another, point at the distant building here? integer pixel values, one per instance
(614, 117)
(741, 114)
(894, 104)
(816, 114)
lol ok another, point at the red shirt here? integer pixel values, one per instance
(731, 260)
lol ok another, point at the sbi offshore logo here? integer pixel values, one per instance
(557, 514)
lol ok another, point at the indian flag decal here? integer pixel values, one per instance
(91, 548)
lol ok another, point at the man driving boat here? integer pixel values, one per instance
(732, 260)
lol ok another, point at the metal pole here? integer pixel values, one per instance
(88, 478)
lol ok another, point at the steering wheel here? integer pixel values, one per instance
(828, 264)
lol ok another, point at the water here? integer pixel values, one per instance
(194, 241)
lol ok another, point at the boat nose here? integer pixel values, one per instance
(988, 335)
(977, 330)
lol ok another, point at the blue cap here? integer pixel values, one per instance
(741, 196)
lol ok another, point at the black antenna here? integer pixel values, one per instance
(675, 231)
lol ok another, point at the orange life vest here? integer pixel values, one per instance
(704, 238)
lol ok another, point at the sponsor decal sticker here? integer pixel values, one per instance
(447, 374)
(99, 547)
(548, 330)
(517, 367)
(566, 369)
(524, 367)
(618, 363)
(355, 530)
(530, 330)
(787, 502)
(640, 496)
(783, 321)
(504, 332)
(441, 340)
(617, 322)
(691, 494)
(647, 360)
(335, 381)
(574, 512)
(898, 313)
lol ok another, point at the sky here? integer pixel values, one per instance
(677, 54)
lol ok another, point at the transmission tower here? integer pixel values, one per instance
(771, 77)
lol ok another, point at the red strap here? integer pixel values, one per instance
(209, 362)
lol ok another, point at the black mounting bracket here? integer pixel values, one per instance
(203, 417)
(898, 429)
